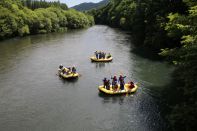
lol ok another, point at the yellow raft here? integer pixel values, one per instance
(94, 59)
(118, 91)
(69, 75)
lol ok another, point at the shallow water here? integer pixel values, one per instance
(33, 98)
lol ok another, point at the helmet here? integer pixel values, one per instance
(60, 66)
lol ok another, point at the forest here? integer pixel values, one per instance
(24, 17)
(170, 28)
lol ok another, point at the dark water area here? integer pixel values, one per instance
(34, 98)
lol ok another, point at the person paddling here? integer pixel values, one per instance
(60, 67)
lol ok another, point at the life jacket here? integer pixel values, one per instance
(105, 81)
(73, 69)
(131, 85)
(121, 79)
(114, 80)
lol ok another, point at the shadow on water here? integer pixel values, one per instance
(112, 98)
(99, 65)
(115, 98)
(72, 80)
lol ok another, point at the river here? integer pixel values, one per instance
(34, 98)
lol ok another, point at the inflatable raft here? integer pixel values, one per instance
(126, 90)
(68, 75)
(94, 59)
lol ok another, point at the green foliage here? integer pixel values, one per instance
(117, 13)
(8, 22)
(77, 19)
(183, 90)
(187, 39)
(145, 18)
(24, 30)
(183, 28)
(176, 26)
(35, 4)
(183, 111)
(17, 20)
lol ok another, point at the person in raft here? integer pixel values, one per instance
(99, 54)
(108, 56)
(105, 82)
(74, 70)
(96, 54)
(103, 55)
(121, 81)
(131, 85)
(61, 67)
(108, 85)
(114, 82)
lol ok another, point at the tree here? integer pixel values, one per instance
(19, 18)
